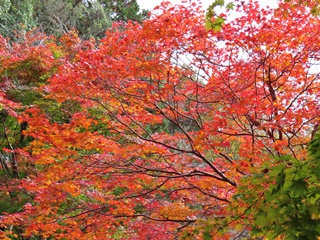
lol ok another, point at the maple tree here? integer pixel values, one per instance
(24, 67)
(170, 123)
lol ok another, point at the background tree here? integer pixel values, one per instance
(124, 10)
(90, 18)
(16, 17)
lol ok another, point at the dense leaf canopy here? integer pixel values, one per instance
(166, 129)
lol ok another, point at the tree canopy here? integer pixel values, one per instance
(57, 17)
(170, 128)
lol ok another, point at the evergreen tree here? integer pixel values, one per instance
(56, 17)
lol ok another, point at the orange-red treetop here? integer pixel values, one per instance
(172, 116)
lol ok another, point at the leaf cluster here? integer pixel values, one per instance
(283, 198)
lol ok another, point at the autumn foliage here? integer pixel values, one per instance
(150, 133)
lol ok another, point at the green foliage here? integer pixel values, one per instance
(58, 112)
(213, 21)
(57, 17)
(125, 10)
(117, 191)
(284, 198)
(16, 16)
(12, 202)
(26, 97)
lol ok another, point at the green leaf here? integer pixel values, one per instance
(230, 6)
(260, 218)
(299, 187)
(271, 216)
(207, 236)
(217, 23)
(280, 180)
(316, 171)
